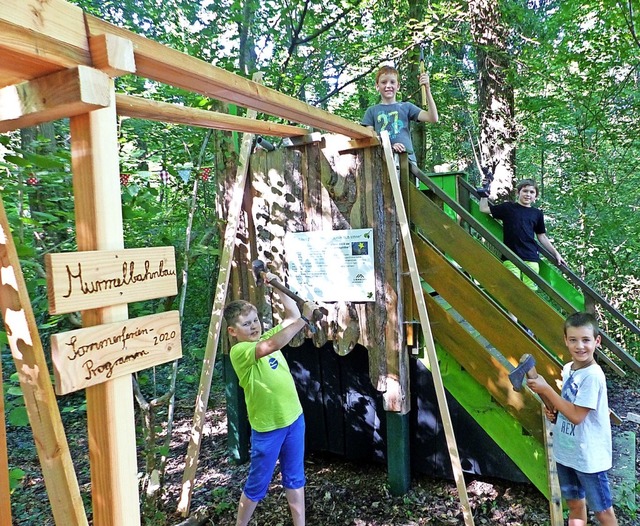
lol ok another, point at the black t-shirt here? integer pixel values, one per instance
(520, 224)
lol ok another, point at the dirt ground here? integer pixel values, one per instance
(346, 493)
(337, 492)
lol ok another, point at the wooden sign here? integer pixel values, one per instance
(79, 281)
(94, 355)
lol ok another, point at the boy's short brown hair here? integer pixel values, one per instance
(527, 182)
(235, 309)
(386, 70)
(582, 319)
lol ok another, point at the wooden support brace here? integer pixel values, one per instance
(426, 330)
(140, 108)
(35, 382)
(112, 54)
(64, 94)
(202, 398)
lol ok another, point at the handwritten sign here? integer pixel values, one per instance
(87, 280)
(93, 355)
(334, 265)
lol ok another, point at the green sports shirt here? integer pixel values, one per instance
(269, 389)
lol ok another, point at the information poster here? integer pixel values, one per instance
(335, 265)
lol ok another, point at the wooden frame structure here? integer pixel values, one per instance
(58, 62)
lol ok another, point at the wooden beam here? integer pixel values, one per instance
(163, 64)
(113, 55)
(62, 94)
(110, 414)
(154, 110)
(35, 382)
(42, 37)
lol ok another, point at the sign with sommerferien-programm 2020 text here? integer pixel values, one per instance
(333, 265)
(78, 281)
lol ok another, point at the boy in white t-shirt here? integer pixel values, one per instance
(582, 435)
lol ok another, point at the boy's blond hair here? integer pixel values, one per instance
(386, 70)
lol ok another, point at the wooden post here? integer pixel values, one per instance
(110, 414)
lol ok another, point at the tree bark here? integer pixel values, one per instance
(495, 95)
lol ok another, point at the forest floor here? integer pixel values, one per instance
(338, 492)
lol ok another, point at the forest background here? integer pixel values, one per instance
(541, 89)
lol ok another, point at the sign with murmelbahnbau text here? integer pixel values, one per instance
(79, 281)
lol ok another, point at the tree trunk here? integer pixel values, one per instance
(495, 95)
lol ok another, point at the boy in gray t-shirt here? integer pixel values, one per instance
(394, 117)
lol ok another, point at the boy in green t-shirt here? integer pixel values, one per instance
(275, 413)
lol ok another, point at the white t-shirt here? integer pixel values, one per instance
(585, 447)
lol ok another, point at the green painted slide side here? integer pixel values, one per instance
(526, 452)
(548, 272)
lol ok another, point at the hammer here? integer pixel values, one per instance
(259, 270)
(526, 367)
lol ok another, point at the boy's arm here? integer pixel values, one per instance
(574, 413)
(431, 113)
(292, 322)
(546, 243)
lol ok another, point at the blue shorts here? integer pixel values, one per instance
(594, 487)
(286, 444)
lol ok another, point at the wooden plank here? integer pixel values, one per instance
(79, 281)
(113, 55)
(484, 368)
(140, 108)
(110, 414)
(555, 495)
(35, 382)
(163, 64)
(90, 356)
(202, 398)
(482, 313)
(426, 331)
(63, 94)
(43, 37)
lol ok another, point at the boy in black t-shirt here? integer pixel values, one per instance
(521, 225)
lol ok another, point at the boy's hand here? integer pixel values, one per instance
(308, 308)
(423, 80)
(269, 277)
(537, 384)
(551, 414)
(398, 147)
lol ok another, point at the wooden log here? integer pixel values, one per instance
(63, 94)
(140, 108)
(110, 414)
(426, 329)
(35, 382)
